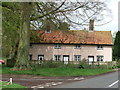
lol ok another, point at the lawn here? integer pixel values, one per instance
(57, 71)
(7, 85)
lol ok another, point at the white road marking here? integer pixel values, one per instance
(59, 82)
(40, 87)
(113, 83)
(33, 86)
(77, 78)
(47, 85)
(81, 78)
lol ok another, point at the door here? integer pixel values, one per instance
(40, 59)
(66, 59)
(90, 59)
(30, 56)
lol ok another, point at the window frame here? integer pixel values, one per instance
(57, 46)
(99, 47)
(101, 58)
(77, 46)
(47, 31)
(58, 57)
(77, 57)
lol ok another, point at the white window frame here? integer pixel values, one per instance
(101, 58)
(77, 57)
(58, 57)
(77, 46)
(57, 46)
(40, 61)
(99, 47)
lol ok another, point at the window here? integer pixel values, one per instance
(57, 57)
(77, 57)
(100, 58)
(77, 46)
(40, 59)
(57, 46)
(48, 31)
(30, 56)
(99, 47)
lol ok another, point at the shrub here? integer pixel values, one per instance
(118, 66)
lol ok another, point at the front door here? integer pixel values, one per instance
(40, 59)
(90, 59)
(66, 59)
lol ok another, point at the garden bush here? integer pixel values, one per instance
(81, 65)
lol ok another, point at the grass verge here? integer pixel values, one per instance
(7, 85)
(57, 71)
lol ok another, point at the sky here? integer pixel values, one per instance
(113, 25)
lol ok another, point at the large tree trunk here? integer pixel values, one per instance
(22, 61)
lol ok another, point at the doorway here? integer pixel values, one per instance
(66, 59)
(91, 59)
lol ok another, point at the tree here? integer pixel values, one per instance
(10, 28)
(116, 47)
(73, 13)
(54, 26)
(113, 36)
(18, 23)
(24, 42)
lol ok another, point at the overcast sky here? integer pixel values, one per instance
(112, 26)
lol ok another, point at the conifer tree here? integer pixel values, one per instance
(116, 48)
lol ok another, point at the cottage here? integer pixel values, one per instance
(72, 45)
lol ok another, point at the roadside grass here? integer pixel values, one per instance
(7, 85)
(60, 71)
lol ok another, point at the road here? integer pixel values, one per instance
(104, 81)
(109, 80)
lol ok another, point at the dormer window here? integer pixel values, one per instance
(48, 31)
(99, 47)
(77, 46)
(57, 46)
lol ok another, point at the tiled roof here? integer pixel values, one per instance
(72, 37)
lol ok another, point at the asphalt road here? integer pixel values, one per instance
(104, 81)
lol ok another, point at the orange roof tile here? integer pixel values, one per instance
(72, 37)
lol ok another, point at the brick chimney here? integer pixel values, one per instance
(48, 26)
(48, 29)
(91, 25)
